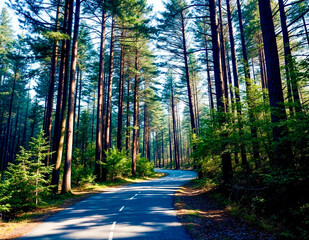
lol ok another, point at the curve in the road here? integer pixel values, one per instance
(138, 211)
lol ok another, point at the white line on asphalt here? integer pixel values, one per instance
(121, 208)
(133, 196)
(113, 226)
(110, 237)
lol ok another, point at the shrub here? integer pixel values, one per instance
(144, 167)
(25, 181)
(117, 163)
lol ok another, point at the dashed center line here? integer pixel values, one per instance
(110, 237)
(121, 208)
(113, 226)
(111, 234)
(133, 196)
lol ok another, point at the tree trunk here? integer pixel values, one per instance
(255, 145)
(120, 100)
(50, 98)
(135, 116)
(100, 103)
(8, 128)
(109, 100)
(289, 66)
(176, 150)
(211, 101)
(66, 184)
(223, 57)
(170, 141)
(24, 139)
(193, 127)
(236, 81)
(60, 118)
(283, 152)
(227, 169)
(306, 30)
(128, 131)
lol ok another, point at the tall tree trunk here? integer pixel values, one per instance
(211, 101)
(60, 118)
(289, 66)
(262, 70)
(176, 149)
(255, 145)
(170, 141)
(24, 139)
(100, 103)
(162, 148)
(283, 152)
(120, 100)
(75, 105)
(109, 100)
(146, 131)
(223, 57)
(135, 115)
(79, 106)
(128, 131)
(5, 151)
(227, 169)
(66, 184)
(306, 29)
(50, 99)
(236, 82)
(193, 127)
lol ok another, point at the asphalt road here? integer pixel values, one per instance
(137, 211)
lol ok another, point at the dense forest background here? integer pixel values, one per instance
(98, 89)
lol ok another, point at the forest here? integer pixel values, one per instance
(92, 91)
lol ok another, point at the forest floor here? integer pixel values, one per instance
(25, 222)
(205, 218)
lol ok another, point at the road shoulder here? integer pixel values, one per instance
(204, 218)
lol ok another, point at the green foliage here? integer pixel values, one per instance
(82, 175)
(117, 163)
(144, 167)
(25, 181)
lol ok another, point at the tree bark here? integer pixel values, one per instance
(128, 131)
(60, 118)
(193, 127)
(100, 102)
(236, 81)
(306, 29)
(66, 184)
(120, 100)
(8, 128)
(289, 66)
(135, 115)
(176, 149)
(223, 57)
(50, 98)
(227, 169)
(255, 145)
(170, 141)
(283, 152)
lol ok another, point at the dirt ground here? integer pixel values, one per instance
(204, 218)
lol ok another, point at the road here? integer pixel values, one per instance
(137, 211)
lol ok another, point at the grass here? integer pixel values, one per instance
(24, 222)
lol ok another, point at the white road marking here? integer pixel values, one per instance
(133, 196)
(121, 208)
(113, 226)
(110, 237)
(111, 234)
